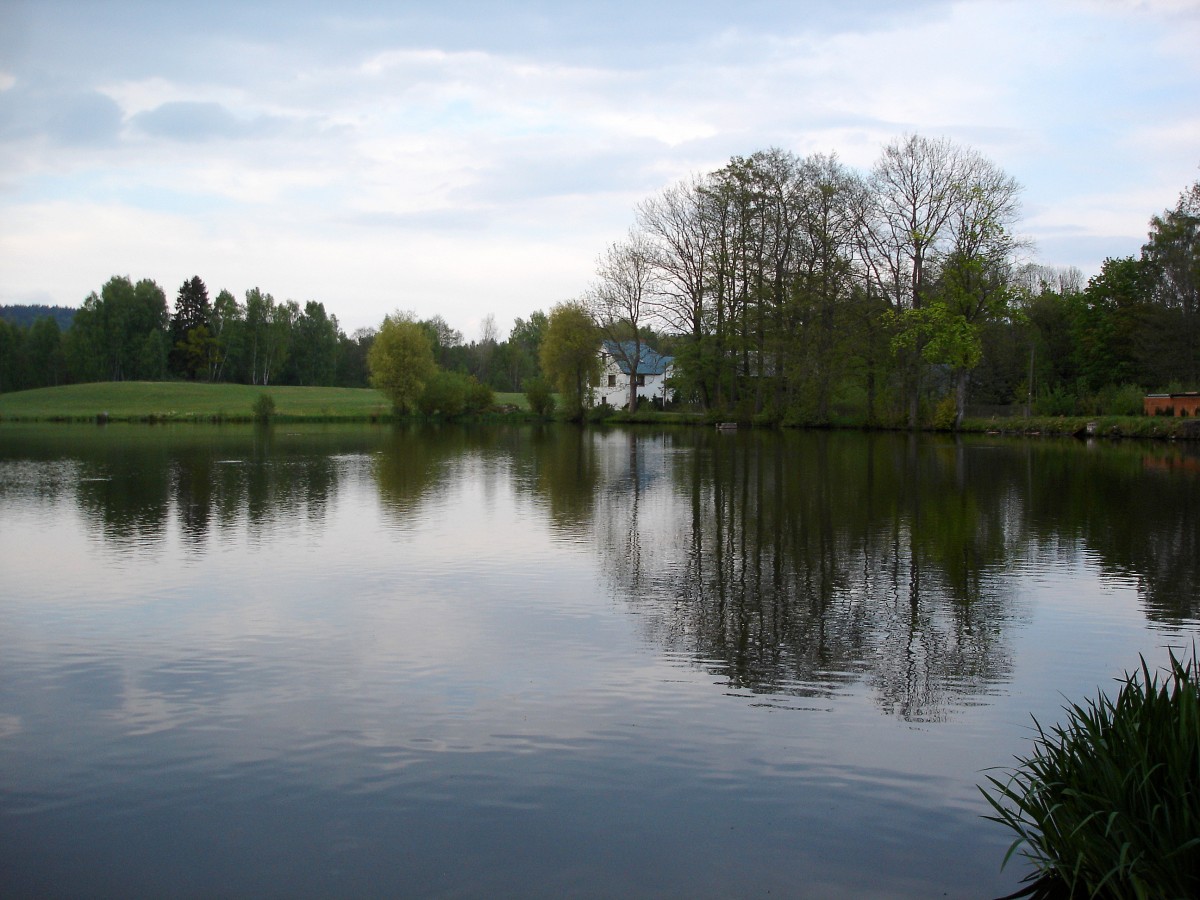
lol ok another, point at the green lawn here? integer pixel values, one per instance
(179, 401)
(183, 401)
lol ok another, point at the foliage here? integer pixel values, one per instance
(401, 361)
(314, 345)
(1057, 401)
(1109, 803)
(1122, 400)
(540, 395)
(945, 415)
(443, 340)
(227, 327)
(119, 334)
(570, 354)
(1172, 257)
(1106, 325)
(264, 408)
(517, 358)
(191, 344)
(11, 340)
(351, 369)
(944, 336)
(444, 394)
(452, 394)
(480, 396)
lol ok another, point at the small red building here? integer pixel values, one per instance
(1186, 404)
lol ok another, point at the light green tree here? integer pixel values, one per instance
(228, 334)
(943, 336)
(401, 360)
(570, 354)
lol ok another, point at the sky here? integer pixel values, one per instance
(468, 159)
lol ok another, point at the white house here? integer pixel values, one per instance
(653, 371)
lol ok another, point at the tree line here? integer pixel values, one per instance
(794, 289)
(127, 331)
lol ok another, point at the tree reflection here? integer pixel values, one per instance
(415, 463)
(790, 563)
(1135, 506)
(408, 466)
(563, 471)
(135, 483)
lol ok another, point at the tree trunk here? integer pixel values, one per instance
(961, 377)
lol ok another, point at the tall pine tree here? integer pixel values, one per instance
(190, 337)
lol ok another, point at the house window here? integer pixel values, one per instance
(641, 380)
(612, 380)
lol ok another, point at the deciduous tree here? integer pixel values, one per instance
(1172, 253)
(570, 354)
(913, 194)
(618, 301)
(401, 360)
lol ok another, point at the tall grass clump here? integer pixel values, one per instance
(264, 408)
(1108, 804)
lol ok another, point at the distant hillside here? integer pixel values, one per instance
(25, 315)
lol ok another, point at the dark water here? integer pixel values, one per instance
(542, 662)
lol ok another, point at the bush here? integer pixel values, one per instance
(264, 408)
(1109, 804)
(1056, 402)
(480, 397)
(945, 414)
(1125, 400)
(444, 394)
(540, 395)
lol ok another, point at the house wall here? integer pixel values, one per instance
(1172, 404)
(617, 395)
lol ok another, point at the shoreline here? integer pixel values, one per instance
(1099, 427)
(164, 403)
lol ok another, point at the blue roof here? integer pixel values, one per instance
(649, 363)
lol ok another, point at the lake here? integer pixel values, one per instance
(314, 661)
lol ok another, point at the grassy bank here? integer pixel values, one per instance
(1158, 427)
(129, 401)
(177, 401)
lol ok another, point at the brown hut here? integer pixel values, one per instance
(1185, 404)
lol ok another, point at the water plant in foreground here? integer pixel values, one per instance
(1108, 804)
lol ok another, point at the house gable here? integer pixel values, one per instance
(653, 369)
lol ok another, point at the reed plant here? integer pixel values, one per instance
(1108, 804)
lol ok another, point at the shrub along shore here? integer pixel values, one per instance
(182, 402)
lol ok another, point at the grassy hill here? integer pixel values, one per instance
(184, 401)
(179, 401)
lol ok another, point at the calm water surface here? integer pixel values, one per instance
(541, 662)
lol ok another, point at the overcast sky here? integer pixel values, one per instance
(467, 158)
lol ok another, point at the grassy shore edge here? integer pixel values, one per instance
(183, 402)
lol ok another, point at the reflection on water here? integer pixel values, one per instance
(797, 562)
(317, 660)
